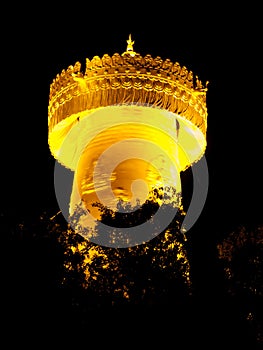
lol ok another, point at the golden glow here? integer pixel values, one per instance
(143, 103)
(139, 127)
(117, 80)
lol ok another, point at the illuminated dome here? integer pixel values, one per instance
(146, 113)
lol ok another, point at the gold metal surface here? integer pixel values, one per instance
(126, 96)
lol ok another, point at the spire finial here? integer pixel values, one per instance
(130, 43)
(129, 48)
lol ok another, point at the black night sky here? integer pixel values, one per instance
(216, 44)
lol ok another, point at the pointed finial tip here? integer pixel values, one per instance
(130, 44)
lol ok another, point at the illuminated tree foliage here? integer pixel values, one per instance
(143, 274)
(241, 255)
(59, 278)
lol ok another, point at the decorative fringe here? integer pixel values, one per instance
(126, 79)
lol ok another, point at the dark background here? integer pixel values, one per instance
(218, 43)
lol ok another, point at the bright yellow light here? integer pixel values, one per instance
(126, 125)
(143, 132)
(142, 100)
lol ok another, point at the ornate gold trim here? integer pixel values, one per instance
(128, 78)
